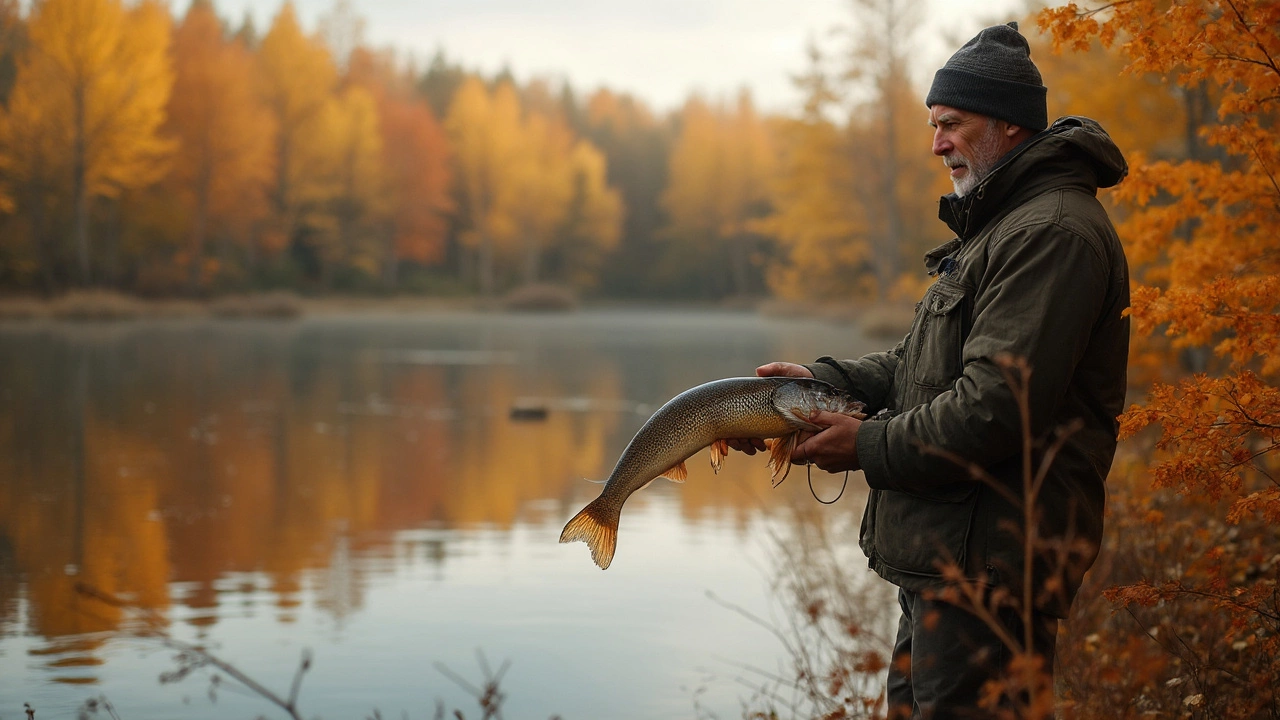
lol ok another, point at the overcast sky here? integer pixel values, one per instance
(659, 50)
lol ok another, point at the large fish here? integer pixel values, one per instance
(775, 408)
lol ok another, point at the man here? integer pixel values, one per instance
(1035, 272)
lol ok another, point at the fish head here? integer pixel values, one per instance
(799, 398)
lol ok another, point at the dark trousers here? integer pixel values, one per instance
(944, 654)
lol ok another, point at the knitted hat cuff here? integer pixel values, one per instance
(1014, 102)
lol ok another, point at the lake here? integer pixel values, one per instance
(357, 487)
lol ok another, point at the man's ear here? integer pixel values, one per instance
(1010, 129)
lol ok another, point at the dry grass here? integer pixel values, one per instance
(23, 308)
(96, 305)
(109, 306)
(264, 305)
(540, 297)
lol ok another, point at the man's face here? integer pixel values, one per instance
(968, 143)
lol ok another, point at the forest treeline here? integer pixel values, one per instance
(192, 155)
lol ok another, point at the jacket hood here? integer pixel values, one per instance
(1072, 152)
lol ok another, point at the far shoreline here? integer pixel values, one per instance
(886, 319)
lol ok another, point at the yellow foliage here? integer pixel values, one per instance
(224, 160)
(719, 172)
(94, 85)
(527, 189)
(816, 218)
(296, 78)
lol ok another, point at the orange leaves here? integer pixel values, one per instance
(417, 158)
(1215, 433)
(1072, 29)
(1204, 235)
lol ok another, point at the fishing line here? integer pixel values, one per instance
(814, 493)
(808, 471)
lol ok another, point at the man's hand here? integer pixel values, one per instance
(783, 369)
(773, 369)
(834, 448)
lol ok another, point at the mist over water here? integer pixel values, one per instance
(357, 486)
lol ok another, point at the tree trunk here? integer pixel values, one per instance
(485, 268)
(40, 238)
(891, 244)
(80, 191)
(390, 263)
(199, 230)
(532, 259)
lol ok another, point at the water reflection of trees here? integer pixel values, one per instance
(154, 464)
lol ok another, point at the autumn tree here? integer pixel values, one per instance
(719, 172)
(12, 38)
(484, 130)
(1203, 236)
(881, 44)
(87, 105)
(1093, 82)
(635, 144)
(542, 181)
(416, 169)
(223, 164)
(817, 218)
(297, 79)
(855, 200)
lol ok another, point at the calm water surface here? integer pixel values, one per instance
(356, 487)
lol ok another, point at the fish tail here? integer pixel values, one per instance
(597, 526)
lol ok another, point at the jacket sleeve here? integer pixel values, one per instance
(869, 378)
(1042, 292)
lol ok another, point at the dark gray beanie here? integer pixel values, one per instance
(993, 75)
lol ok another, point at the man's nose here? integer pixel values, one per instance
(941, 145)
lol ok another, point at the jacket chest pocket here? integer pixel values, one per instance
(940, 337)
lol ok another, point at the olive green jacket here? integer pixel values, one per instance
(1036, 272)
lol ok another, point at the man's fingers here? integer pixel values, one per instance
(746, 445)
(783, 369)
(823, 418)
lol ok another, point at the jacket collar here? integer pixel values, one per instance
(1073, 151)
(969, 214)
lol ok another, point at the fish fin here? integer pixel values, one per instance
(805, 420)
(597, 526)
(719, 449)
(780, 455)
(678, 473)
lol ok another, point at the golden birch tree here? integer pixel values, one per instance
(297, 79)
(485, 132)
(593, 218)
(417, 172)
(224, 161)
(817, 218)
(360, 200)
(719, 172)
(90, 91)
(543, 188)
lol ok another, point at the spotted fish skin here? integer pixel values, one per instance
(774, 408)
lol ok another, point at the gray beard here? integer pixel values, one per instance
(985, 154)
